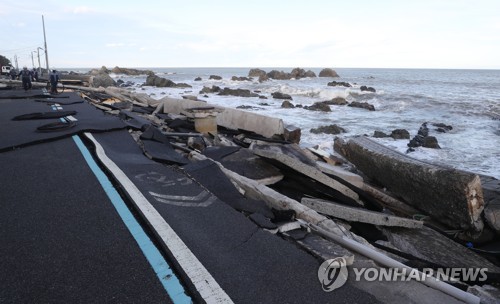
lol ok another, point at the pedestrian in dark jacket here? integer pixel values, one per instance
(35, 75)
(54, 79)
(26, 76)
(13, 74)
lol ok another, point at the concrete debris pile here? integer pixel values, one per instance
(368, 199)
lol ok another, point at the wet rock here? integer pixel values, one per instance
(367, 89)
(235, 78)
(400, 134)
(422, 139)
(278, 75)
(337, 101)
(131, 72)
(215, 77)
(362, 105)
(380, 134)
(431, 142)
(423, 130)
(213, 89)
(296, 73)
(287, 104)
(279, 95)
(442, 128)
(245, 107)
(237, 92)
(123, 84)
(299, 73)
(263, 78)
(102, 80)
(197, 79)
(263, 103)
(153, 80)
(339, 84)
(102, 70)
(328, 73)
(331, 129)
(256, 73)
(319, 106)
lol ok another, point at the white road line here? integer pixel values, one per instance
(203, 281)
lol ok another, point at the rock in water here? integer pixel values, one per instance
(331, 129)
(328, 73)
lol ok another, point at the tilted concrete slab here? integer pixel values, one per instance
(349, 177)
(271, 152)
(229, 118)
(359, 215)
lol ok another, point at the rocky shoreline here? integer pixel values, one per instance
(270, 166)
(101, 78)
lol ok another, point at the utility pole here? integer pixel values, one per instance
(32, 60)
(17, 64)
(39, 65)
(45, 42)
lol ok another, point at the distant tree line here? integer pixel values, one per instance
(4, 61)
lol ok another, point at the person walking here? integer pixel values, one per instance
(35, 74)
(26, 76)
(54, 79)
(13, 74)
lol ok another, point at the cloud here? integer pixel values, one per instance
(79, 10)
(19, 24)
(113, 45)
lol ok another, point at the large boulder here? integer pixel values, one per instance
(298, 73)
(367, 89)
(339, 83)
(422, 139)
(278, 75)
(153, 80)
(287, 104)
(237, 92)
(331, 129)
(102, 80)
(279, 95)
(132, 72)
(213, 89)
(362, 105)
(242, 78)
(337, 101)
(215, 77)
(400, 134)
(328, 73)
(319, 106)
(256, 73)
(102, 70)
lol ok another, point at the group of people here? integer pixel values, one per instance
(28, 76)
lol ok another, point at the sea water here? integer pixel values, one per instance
(467, 100)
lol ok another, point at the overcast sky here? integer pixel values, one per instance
(256, 33)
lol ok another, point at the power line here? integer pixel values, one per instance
(23, 49)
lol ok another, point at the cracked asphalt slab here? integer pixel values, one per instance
(61, 239)
(250, 264)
